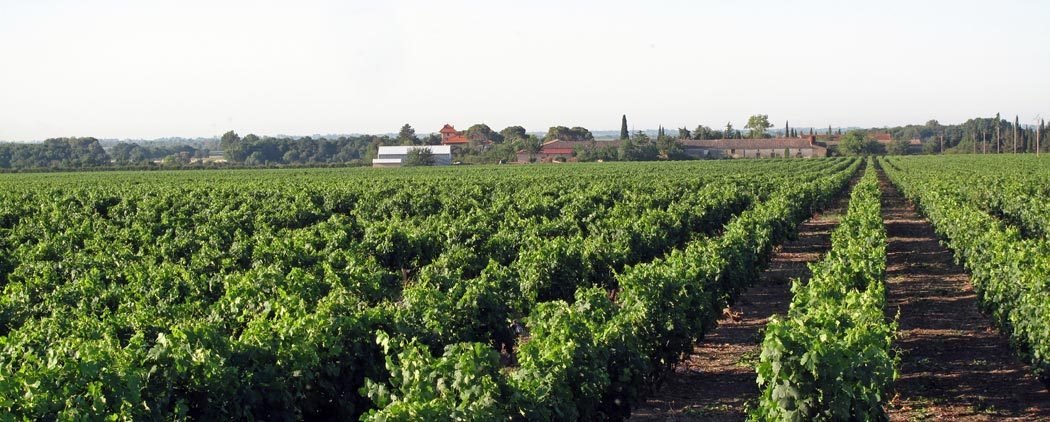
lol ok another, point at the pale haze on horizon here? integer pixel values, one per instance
(149, 69)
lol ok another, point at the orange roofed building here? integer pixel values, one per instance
(451, 136)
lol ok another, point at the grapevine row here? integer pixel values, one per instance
(1010, 273)
(830, 358)
(597, 356)
(158, 296)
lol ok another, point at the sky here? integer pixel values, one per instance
(188, 68)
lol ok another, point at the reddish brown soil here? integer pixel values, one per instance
(718, 379)
(954, 364)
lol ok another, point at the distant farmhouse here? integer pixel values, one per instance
(451, 136)
(834, 140)
(394, 156)
(914, 145)
(559, 151)
(801, 147)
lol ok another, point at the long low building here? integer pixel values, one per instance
(802, 147)
(559, 150)
(394, 156)
(556, 150)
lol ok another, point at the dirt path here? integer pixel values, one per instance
(718, 379)
(954, 363)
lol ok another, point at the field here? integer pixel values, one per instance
(496, 292)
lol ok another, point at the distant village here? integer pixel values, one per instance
(480, 144)
(559, 150)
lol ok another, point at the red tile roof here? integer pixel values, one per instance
(456, 139)
(556, 151)
(557, 143)
(448, 129)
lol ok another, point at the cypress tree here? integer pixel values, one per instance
(1017, 124)
(787, 129)
(623, 128)
(1038, 134)
(998, 131)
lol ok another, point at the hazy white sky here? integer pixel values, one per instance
(146, 69)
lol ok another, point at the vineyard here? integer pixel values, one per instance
(996, 220)
(480, 293)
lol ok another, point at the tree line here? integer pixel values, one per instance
(55, 153)
(977, 135)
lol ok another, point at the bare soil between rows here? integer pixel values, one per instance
(717, 380)
(955, 365)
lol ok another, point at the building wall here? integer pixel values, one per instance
(545, 158)
(439, 159)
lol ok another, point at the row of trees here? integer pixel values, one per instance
(977, 135)
(480, 133)
(757, 127)
(56, 153)
(86, 153)
(636, 147)
(253, 150)
(131, 154)
(486, 145)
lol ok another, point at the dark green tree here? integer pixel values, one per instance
(232, 148)
(857, 142)
(513, 133)
(532, 145)
(998, 131)
(669, 148)
(407, 135)
(1039, 135)
(1017, 125)
(418, 157)
(432, 139)
(563, 133)
(624, 134)
(628, 150)
(899, 147)
(481, 133)
(703, 132)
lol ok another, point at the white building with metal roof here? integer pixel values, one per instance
(394, 156)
